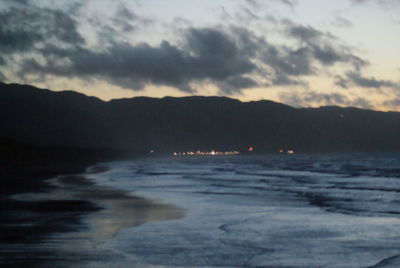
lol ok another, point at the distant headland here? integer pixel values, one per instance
(189, 124)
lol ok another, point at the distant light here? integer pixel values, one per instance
(151, 151)
(280, 151)
(212, 152)
(251, 149)
(290, 152)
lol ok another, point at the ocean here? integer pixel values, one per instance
(302, 210)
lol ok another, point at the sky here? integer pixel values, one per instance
(304, 53)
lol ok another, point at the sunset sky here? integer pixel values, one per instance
(305, 53)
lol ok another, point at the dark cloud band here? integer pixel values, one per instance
(231, 57)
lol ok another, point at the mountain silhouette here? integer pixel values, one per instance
(69, 119)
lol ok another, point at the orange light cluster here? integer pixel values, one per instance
(212, 152)
(288, 151)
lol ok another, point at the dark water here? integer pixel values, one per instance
(265, 211)
(259, 211)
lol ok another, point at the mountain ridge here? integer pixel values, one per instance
(47, 118)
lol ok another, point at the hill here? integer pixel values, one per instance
(69, 119)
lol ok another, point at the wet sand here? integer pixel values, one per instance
(119, 208)
(64, 227)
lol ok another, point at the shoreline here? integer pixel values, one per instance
(24, 225)
(67, 211)
(119, 209)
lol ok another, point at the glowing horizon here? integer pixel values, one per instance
(300, 53)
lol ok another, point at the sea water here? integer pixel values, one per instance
(317, 210)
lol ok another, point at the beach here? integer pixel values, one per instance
(48, 219)
(303, 211)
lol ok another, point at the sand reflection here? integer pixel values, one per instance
(120, 209)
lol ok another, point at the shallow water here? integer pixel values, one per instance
(262, 211)
(320, 210)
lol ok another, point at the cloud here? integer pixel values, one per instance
(386, 3)
(231, 57)
(369, 82)
(356, 78)
(328, 55)
(342, 22)
(281, 79)
(236, 84)
(362, 103)
(207, 54)
(359, 1)
(2, 77)
(287, 61)
(306, 98)
(45, 26)
(323, 47)
(225, 56)
(253, 3)
(257, 4)
(395, 103)
(123, 19)
(127, 21)
(328, 99)
(17, 2)
(120, 27)
(341, 81)
(291, 3)
(289, 64)
(304, 33)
